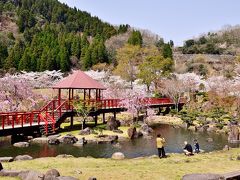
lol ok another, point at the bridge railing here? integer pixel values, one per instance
(18, 119)
(97, 103)
(55, 108)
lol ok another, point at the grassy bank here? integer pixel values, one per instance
(77, 126)
(173, 167)
(156, 120)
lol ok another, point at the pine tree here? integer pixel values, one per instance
(76, 47)
(135, 38)
(102, 52)
(44, 59)
(3, 54)
(167, 51)
(87, 60)
(64, 59)
(25, 61)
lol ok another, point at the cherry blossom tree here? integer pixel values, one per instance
(16, 94)
(172, 88)
(43, 79)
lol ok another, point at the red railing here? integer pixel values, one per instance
(55, 108)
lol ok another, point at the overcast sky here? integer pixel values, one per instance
(171, 19)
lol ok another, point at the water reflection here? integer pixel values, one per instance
(135, 148)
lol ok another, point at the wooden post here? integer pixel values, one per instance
(71, 125)
(96, 119)
(104, 120)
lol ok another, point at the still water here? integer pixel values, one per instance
(135, 148)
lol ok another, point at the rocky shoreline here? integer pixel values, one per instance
(230, 129)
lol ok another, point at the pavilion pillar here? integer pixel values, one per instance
(84, 94)
(59, 97)
(96, 94)
(89, 91)
(104, 118)
(72, 93)
(69, 98)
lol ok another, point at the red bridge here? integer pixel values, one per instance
(49, 118)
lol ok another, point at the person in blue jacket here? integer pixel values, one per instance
(196, 145)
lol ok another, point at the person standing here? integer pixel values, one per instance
(196, 145)
(160, 146)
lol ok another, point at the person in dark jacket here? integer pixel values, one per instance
(187, 149)
(196, 145)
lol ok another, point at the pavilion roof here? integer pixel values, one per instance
(78, 80)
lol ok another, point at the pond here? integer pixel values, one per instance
(135, 148)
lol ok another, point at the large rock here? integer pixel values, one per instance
(234, 135)
(51, 174)
(102, 139)
(66, 178)
(11, 173)
(64, 156)
(119, 131)
(81, 142)
(132, 133)
(53, 140)
(40, 140)
(226, 148)
(1, 167)
(85, 131)
(92, 178)
(118, 156)
(6, 159)
(192, 128)
(209, 139)
(31, 175)
(112, 123)
(22, 158)
(208, 176)
(145, 129)
(212, 129)
(68, 139)
(21, 144)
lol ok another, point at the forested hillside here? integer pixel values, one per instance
(36, 35)
(225, 41)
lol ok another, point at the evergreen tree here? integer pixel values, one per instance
(3, 54)
(102, 52)
(76, 47)
(64, 59)
(135, 38)
(167, 51)
(25, 61)
(87, 60)
(44, 59)
(50, 65)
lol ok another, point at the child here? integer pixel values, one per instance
(197, 148)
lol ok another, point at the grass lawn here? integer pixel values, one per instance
(173, 167)
(77, 127)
